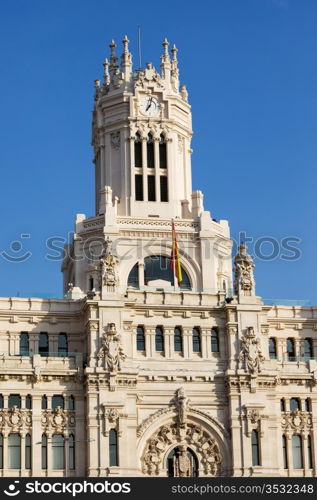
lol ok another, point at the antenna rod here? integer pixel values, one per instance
(139, 46)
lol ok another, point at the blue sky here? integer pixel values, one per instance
(251, 72)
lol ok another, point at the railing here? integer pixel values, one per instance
(287, 302)
(292, 358)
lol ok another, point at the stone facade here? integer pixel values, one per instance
(135, 373)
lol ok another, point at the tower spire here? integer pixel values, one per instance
(113, 58)
(165, 61)
(126, 59)
(106, 72)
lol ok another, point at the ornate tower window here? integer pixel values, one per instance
(297, 451)
(113, 448)
(24, 344)
(214, 340)
(255, 448)
(139, 187)
(196, 340)
(272, 348)
(151, 187)
(163, 188)
(138, 163)
(140, 339)
(178, 339)
(163, 152)
(159, 339)
(150, 151)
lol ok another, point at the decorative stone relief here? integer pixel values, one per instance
(111, 350)
(109, 263)
(111, 419)
(243, 273)
(115, 140)
(253, 418)
(251, 354)
(15, 419)
(57, 420)
(297, 421)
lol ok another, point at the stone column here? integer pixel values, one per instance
(187, 337)
(157, 169)
(5, 451)
(168, 337)
(36, 436)
(205, 352)
(141, 274)
(144, 170)
(49, 454)
(22, 452)
(305, 453)
(289, 452)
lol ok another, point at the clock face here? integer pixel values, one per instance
(150, 106)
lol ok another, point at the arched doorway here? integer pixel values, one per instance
(182, 462)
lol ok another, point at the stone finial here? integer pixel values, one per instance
(174, 53)
(126, 59)
(106, 72)
(165, 47)
(113, 56)
(126, 42)
(244, 284)
(97, 89)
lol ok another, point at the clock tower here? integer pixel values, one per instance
(141, 137)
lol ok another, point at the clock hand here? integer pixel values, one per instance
(149, 103)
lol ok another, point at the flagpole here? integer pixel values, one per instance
(173, 254)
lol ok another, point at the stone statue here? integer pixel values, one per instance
(243, 272)
(108, 264)
(251, 352)
(111, 350)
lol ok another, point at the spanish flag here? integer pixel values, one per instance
(175, 262)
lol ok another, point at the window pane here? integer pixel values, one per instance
(282, 405)
(163, 155)
(44, 451)
(113, 448)
(178, 340)
(159, 339)
(158, 267)
(57, 401)
(196, 340)
(140, 339)
(43, 344)
(255, 448)
(163, 186)
(297, 452)
(285, 460)
(14, 449)
(308, 346)
(62, 344)
(139, 187)
(28, 402)
(151, 187)
(28, 451)
(71, 442)
(71, 403)
(214, 340)
(138, 152)
(133, 279)
(310, 452)
(1, 401)
(14, 400)
(1, 451)
(44, 403)
(24, 344)
(150, 152)
(307, 404)
(272, 348)
(290, 349)
(294, 404)
(58, 451)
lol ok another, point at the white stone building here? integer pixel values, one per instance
(135, 373)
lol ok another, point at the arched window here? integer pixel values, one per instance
(150, 151)
(140, 339)
(28, 453)
(138, 163)
(255, 448)
(290, 345)
(308, 348)
(43, 344)
(14, 450)
(297, 451)
(272, 348)
(62, 345)
(113, 448)
(44, 451)
(158, 267)
(71, 403)
(214, 340)
(133, 279)
(178, 339)
(282, 403)
(285, 457)
(44, 402)
(163, 152)
(307, 404)
(294, 404)
(57, 400)
(14, 400)
(28, 402)
(58, 445)
(71, 451)
(196, 340)
(310, 452)
(159, 339)
(24, 344)
(1, 451)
